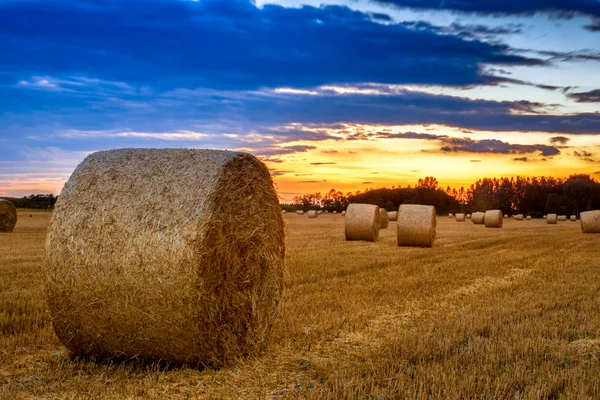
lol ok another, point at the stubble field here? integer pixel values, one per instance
(485, 313)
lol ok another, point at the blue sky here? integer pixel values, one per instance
(346, 93)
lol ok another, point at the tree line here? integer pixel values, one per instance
(533, 196)
(36, 201)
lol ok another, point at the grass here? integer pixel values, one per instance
(485, 313)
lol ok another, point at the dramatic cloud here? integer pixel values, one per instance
(494, 146)
(230, 45)
(562, 140)
(408, 135)
(593, 96)
(563, 8)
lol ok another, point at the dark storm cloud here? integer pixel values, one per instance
(231, 44)
(494, 146)
(562, 140)
(593, 96)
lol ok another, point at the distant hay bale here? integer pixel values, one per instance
(460, 217)
(505, 216)
(335, 212)
(8, 216)
(326, 212)
(562, 217)
(319, 212)
(384, 221)
(416, 225)
(468, 216)
(573, 218)
(493, 219)
(590, 221)
(300, 212)
(166, 254)
(478, 218)
(552, 219)
(519, 217)
(344, 213)
(450, 215)
(362, 222)
(393, 215)
(545, 216)
(312, 214)
(528, 218)
(283, 211)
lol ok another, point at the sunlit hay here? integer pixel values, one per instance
(573, 218)
(416, 225)
(460, 217)
(590, 221)
(393, 215)
(384, 220)
(493, 219)
(518, 217)
(450, 215)
(166, 254)
(478, 218)
(362, 222)
(552, 219)
(528, 218)
(312, 214)
(8, 216)
(562, 217)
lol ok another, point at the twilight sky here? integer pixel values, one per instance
(344, 94)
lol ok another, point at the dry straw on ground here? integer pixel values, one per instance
(384, 220)
(562, 217)
(590, 221)
(551, 219)
(460, 217)
(362, 222)
(312, 214)
(416, 225)
(393, 215)
(493, 219)
(8, 216)
(478, 218)
(166, 254)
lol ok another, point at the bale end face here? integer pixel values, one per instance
(416, 225)
(193, 276)
(362, 222)
(8, 216)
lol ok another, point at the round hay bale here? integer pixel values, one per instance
(493, 219)
(562, 217)
(312, 214)
(552, 219)
(283, 211)
(545, 216)
(468, 216)
(8, 216)
(460, 217)
(363, 222)
(450, 215)
(416, 225)
(335, 212)
(300, 212)
(478, 218)
(319, 212)
(344, 213)
(384, 221)
(590, 221)
(505, 216)
(528, 218)
(573, 218)
(166, 254)
(518, 217)
(393, 215)
(326, 212)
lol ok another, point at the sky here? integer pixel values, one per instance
(344, 94)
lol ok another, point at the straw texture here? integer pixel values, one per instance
(362, 222)
(8, 216)
(460, 217)
(493, 219)
(478, 218)
(551, 219)
(166, 254)
(416, 225)
(590, 221)
(384, 220)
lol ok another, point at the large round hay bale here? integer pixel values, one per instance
(562, 217)
(312, 214)
(362, 222)
(166, 254)
(416, 225)
(493, 219)
(478, 218)
(384, 221)
(573, 218)
(551, 219)
(460, 217)
(393, 215)
(8, 216)
(590, 221)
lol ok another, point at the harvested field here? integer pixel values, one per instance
(357, 319)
